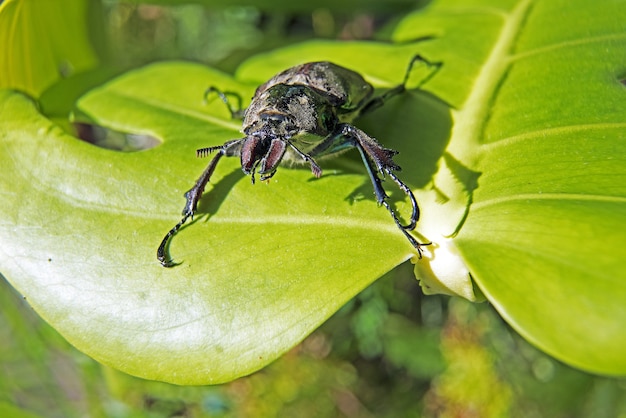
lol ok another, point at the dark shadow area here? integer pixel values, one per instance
(217, 192)
(59, 99)
(114, 140)
(418, 126)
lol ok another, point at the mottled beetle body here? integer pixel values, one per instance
(300, 106)
(301, 114)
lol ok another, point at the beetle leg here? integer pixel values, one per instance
(378, 160)
(194, 194)
(415, 213)
(223, 95)
(378, 101)
(315, 169)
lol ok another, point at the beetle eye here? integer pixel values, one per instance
(273, 116)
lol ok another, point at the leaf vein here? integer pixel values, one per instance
(552, 131)
(548, 196)
(565, 44)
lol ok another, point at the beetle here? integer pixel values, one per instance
(300, 114)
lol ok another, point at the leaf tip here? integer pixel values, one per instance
(443, 271)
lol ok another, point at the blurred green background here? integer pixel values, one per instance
(391, 352)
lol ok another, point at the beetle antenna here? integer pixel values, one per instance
(203, 152)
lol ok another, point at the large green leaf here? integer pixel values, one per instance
(526, 193)
(269, 265)
(543, 128)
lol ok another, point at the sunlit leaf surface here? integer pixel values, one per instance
(515, 149)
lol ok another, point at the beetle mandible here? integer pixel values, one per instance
(298, 115)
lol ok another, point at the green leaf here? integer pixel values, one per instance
(520, 181)
(544, 129)
(269, 265)
(43, 42)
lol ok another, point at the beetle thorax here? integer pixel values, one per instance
(280, 117)
(285, 111)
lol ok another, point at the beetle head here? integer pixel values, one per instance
(275, 117)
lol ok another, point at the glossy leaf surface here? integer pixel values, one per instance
(527, 173)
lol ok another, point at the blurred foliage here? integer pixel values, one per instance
(389, 352)
(223, 37)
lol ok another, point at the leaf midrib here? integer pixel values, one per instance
(471, 119)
